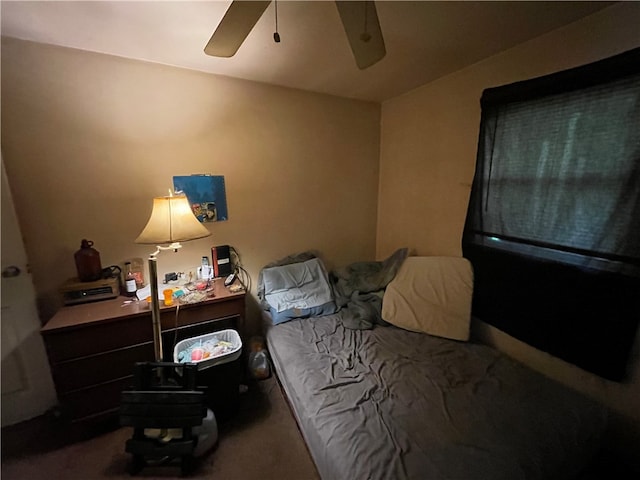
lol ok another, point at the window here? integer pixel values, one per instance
(554, 213)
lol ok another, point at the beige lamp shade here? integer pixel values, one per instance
(171, 221)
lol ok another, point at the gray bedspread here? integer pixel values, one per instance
(391, 404)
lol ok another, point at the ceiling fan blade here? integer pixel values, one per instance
(236, 24)
(360, 20)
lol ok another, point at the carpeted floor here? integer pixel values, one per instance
(261, 442)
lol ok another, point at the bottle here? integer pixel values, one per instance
(129, 281)
(258, 360)
(137, 267)
(88, 262)
(205, 269)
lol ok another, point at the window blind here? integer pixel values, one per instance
(555, 204)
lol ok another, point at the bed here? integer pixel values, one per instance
(391, 401)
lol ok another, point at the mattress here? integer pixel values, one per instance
(387, 403)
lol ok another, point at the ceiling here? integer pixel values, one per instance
(424, 40)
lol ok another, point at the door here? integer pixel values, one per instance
(27, 387)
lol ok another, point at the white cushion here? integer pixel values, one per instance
(431, 295)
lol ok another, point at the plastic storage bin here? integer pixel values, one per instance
(220, 375)
(208, 344)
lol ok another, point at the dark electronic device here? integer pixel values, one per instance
(74, 291)
(221, 257)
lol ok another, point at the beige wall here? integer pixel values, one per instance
(89, 139)
(428, 148)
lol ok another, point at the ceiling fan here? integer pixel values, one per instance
(360, 21)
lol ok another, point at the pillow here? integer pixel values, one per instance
(431, 295)
(298, 290)
(287, 277)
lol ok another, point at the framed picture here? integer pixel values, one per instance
(206, 194)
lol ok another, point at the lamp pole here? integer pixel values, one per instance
(155, 308)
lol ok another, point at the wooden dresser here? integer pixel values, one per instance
(92, 347)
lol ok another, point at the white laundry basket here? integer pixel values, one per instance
(229, 336)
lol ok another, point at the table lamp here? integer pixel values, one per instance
(172, 221)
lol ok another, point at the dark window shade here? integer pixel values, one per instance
(553, 226)
(562, 172)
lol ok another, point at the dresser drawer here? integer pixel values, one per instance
(86, 371)
(95, 400)
(190, 314)
(91, 339)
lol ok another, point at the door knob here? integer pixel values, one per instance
(10, 271)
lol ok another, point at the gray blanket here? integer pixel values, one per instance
(359, 288)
